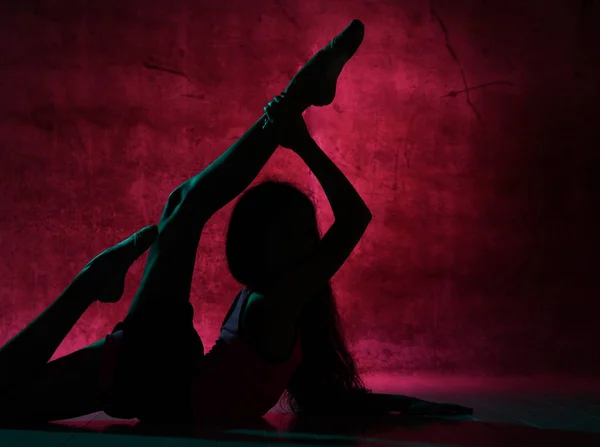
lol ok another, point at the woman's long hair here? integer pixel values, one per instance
(327, 373)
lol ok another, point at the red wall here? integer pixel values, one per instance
(482, 254)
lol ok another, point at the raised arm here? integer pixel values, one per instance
(271, 317)
(352, 216)
(314, 84)
(348, 207)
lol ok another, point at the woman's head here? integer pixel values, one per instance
(272, 227)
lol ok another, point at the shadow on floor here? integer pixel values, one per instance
(530, 412)
(273, 428)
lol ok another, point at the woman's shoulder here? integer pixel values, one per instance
(269, 328)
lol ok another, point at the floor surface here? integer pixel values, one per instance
(508, 412)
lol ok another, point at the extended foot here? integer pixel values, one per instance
(316, 82)
(103, 278)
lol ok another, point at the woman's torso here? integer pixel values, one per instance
(233, 380)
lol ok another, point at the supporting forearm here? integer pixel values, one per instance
(343, 197)
(231, 173)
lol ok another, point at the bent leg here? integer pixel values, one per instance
(101, 279)
(28, 351)
(64, 388)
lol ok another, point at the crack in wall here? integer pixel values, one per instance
(408, 129)
(478, 116)
(286, 14)
(150, 64)
(455, 93)
(191, 95)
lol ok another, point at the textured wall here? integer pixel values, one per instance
(483, 249)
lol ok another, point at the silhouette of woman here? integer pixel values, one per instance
(282, 331)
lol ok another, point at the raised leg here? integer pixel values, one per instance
(167, 278)
(315, 83)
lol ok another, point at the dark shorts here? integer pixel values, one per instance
(158, 347)
(154, 371)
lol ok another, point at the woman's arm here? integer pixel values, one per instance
(346, 203)
(291, 132)
(379, 403)
(271, 316)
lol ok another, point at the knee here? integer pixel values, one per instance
(174, 200)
